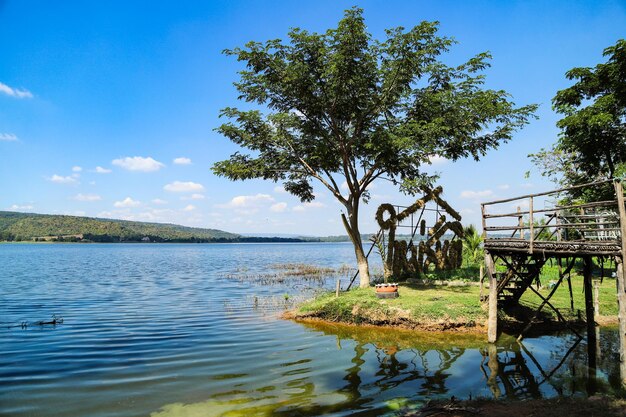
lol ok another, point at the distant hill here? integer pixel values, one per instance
(16, 226)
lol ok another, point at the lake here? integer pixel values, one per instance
(194, 330)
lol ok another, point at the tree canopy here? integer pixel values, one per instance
(592, 142)
(341, 106)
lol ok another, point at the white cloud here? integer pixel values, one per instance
(127, 202)
(527, 185)
(438, 160)
(190, 207)
(249, 200)
(16, 207)
(15, 92)
(77, 169)
(278, 207)
(8, 137)
(474, 195)
(58, 179)
(182, 161)
(100, 170)
(87, 197)
(183, 187)
(159, 201)
(138, 163)
(279, 189)
(504, 186)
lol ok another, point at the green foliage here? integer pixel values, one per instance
(592, 143)
(472, 246)
(341, 106)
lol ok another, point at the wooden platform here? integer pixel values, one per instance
(546, 227)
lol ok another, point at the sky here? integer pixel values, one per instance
(109, 109)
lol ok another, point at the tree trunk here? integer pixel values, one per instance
(352, 227)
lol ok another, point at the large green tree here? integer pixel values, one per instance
(340, 106)
(592, 142)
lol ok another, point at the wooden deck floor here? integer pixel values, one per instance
(552, 248)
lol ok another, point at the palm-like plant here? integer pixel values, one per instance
(472, 245)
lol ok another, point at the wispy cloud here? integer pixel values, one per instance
(100, 170)
(87, 197)
(15, 92)
(476, 194)
(182, 161)
(504, 186)
(16, 207)
(77, 169)
(59, 179)
(183, 187)
(195, 196)
(138, 163)
(159, 201)
(127, 202)
(190, 207)
(278, 207)
(8, 137)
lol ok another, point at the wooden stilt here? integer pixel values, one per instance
(482, 283)
(492, 324)
(621, 316)
(589, 310)
(621, 280)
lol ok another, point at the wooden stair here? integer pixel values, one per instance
(515, 281)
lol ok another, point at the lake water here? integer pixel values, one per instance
(187, 330)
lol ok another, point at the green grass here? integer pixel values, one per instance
(441, 306)
(561, 298)
(415, 305)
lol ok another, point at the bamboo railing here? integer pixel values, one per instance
(591, 228)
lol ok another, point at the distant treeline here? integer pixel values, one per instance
(27, 227)
(43, 227)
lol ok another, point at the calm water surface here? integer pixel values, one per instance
(167, 330)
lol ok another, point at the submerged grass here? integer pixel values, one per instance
(279, 274)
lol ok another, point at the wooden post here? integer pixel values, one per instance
(337, 287)
(621, 280)
(591, 324)
(481, 278)
(484, 221)
(492, 323)
(520, 223)
(531, 224)
(596, 298)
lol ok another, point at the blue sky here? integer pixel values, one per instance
(108, 108)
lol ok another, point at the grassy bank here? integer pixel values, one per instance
(452, 306)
